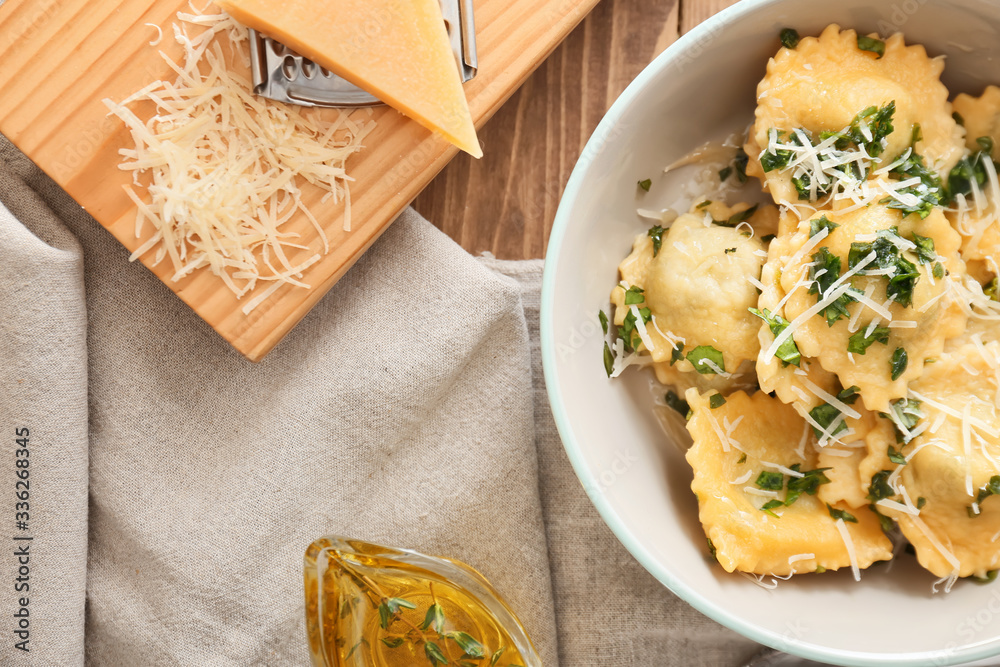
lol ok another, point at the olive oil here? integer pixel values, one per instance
(371, 606)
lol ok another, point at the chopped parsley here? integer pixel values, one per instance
(907, 413)
(897, 365)
(780, 158)
(809, 483)
(879, 489)
(704, 203)
(743, 459)
(770, 506)
(824, 272)
(969, 169)
(788, 351)
(770, 481)
(677, 354)
(916, 134)
(921, 501)
(634, 296)
(990, 577)
(646, 184)
(818, 225)
(716, 401)
(876, 46)
(789, 38)
(841, 514)
(706, 359)
(676, 402)
(938, 270)
(628, 330)
(992, 290)
(737, 167)
(850, 395)
(904, 276)
(929, 192)
(604, 321)
(884, 521)
(862, 340)
(824, 415)
(656, 234)
(737, 218)
(896, 457)
(992, 488)
(729, 251)
(925, 249)
(609, 360)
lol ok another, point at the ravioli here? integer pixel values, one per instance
(804, 535)
(953, 462)
(824, 82)
(697, 287)
(919, 328)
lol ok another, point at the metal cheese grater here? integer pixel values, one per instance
(283, 75)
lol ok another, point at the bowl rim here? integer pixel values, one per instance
(630, 541)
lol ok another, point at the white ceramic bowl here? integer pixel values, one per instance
(700, 88)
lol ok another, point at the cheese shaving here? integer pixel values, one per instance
(224, 171)
(849, 543)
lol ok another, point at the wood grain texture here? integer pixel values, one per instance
(62, 57)
(505, 203)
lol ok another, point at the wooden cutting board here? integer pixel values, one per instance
(60, 58)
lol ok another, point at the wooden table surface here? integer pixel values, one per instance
(505, 203)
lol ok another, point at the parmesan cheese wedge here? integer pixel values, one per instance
(398, 50)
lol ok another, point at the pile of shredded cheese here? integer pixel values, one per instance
(224, 170)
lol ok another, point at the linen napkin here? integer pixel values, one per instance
(407, 409)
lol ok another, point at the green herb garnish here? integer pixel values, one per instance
(677, 354)
(628, 330)
(825, 415)
(929, 192)
(990, 577)
(677, 403)
(634, 296)
(925, 249)
(743, 458)
(705, 203)
(809, 483)
(604, 321)
(879, 489)
(646, 184)
(770, 481)
(841, 514)
(729, 251)
(609, 359)
(789, 38)
(896, 457)
(921, 501)
(897, 365)
(876, 46)
(938, 271)
(992, 488)
(788, 351)
(716, 401)
(849, 395)
(916, 134)
(862, 340)
(656, 234)
(824, 272)
(707, 360)
(770, 506)
(818, 225)
(737, 218)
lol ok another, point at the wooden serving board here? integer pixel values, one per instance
(62, 57)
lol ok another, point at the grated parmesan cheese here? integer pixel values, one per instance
(849, 543)
(224, 171)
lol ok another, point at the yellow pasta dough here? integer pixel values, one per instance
(953, 460)
(696, 285)
(825, 81)
(745, 538)
(920, 328)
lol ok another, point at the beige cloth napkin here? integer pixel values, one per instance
(408, 409)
